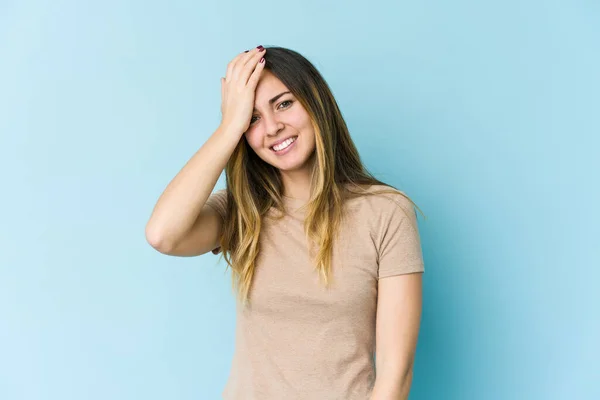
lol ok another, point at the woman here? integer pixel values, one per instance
(326, 260)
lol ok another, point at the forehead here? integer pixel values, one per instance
(268, 86)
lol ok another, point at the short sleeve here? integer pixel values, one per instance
(218, 201)
(400, 245)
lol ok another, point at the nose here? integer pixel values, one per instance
(272, 124)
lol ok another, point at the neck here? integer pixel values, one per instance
(297, 183)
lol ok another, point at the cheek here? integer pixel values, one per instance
(299, 120)
(303, 123)
(253, 139)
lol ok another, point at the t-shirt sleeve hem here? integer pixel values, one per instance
(415, 268)
(217, 209)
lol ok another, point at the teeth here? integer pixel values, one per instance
(285, 144)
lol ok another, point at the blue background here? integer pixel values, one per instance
(487, 113)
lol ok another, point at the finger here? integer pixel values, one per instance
(228, 74)
(239, 59)
(238, 72)
(253, 80)
(251, 66)
(249, 56)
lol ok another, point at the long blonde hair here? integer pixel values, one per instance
(254, 186)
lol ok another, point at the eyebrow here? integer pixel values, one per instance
(274, 99)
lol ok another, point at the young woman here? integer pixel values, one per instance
(326, 260)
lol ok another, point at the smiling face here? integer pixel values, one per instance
(276, 118)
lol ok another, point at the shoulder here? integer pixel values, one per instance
(218, 201)
(219, 192)
(219, 195)
(383, 208)
(384, 200)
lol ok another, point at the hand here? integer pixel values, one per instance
(238, 89)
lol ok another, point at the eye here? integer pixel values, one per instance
(286, 101)
(289, 102)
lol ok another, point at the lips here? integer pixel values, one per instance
(281, 141)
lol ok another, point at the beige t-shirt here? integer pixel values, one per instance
(298, 340)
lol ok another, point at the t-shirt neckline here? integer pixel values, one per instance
(293, 202)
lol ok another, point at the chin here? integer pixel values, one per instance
(296, 164)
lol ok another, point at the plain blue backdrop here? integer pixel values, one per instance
(487, 113)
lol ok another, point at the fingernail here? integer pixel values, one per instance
(262, 60)
(246, 51)
(260, 48)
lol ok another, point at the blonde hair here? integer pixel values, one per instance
(256, 185)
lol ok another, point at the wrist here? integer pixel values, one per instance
(228, 129)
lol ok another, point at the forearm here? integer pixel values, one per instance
(180, 203)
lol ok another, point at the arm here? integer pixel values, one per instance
(399, 305)
(179, 224)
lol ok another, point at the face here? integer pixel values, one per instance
(277, 117)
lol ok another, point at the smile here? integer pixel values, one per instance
(283, 147)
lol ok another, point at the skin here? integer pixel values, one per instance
(272, 122)
(399, 305)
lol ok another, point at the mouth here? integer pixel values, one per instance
(285, 145)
